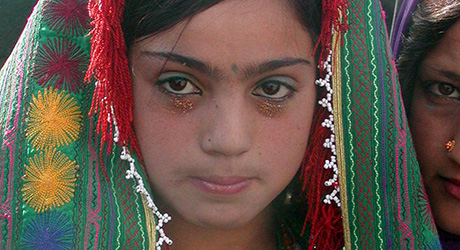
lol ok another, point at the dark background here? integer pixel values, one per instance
(13, 17)
(14, 13)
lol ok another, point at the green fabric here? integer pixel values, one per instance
(102, 209)
(93, 205)
(387, 205)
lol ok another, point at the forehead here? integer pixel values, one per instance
(451, 40)
(453, 34)
(447, 52)
(239, 30)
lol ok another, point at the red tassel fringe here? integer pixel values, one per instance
(109, 65)
(332, 11)
(325, 220)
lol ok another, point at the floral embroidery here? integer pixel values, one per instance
(69, 17)
(54, 119)
(49, 180)
(50, 230)
(62, 63)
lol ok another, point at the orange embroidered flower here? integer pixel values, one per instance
(49, 180)
(54, 119)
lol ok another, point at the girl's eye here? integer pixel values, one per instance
(178, 84)
(278, 88)
(444, 90)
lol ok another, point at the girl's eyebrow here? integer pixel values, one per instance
(273, 65)
(451, 75)
(213, 72)
(187, 61)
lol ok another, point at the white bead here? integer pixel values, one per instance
(329, 123)
(140, 188)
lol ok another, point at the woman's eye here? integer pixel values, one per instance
(444, 90)
(275, 88)
(178, 84)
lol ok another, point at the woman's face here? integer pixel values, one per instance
(435, 119)
(223, 107)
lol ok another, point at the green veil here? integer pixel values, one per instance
(62, 188)
(386, 205)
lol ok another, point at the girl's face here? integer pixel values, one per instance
(223, 107)
(435, 119)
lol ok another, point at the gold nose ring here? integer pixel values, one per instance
(450, 145)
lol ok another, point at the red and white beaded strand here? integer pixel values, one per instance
(132, 173)
(330, 142)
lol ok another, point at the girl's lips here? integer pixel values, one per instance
(222, 185)
(453, 187)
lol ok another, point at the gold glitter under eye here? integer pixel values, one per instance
(270, 109)
(182, 105)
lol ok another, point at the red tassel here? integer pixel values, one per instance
(334, 18)
(325, 220)
(109, 65)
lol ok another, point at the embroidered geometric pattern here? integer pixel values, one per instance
(379, 165)
(52, 135)
(140, 188)
(54, 119)
(49, 180)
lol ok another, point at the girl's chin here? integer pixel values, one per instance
(221, 222)
(230, 220)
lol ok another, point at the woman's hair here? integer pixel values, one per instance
(144, 18)
(431, 21)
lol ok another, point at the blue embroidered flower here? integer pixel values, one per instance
(50, 230)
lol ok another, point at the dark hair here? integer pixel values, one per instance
(430, 22)
(143, 18)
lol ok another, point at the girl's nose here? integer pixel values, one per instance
(227, 128)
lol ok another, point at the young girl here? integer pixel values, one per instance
(202, 128)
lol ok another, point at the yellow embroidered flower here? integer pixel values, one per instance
(54, 119)
(49, 180)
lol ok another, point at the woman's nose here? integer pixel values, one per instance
(227, 128)
(454, 153)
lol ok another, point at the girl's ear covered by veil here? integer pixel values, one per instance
(70, 168)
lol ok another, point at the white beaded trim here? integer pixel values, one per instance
(162, 218)
(330, 142)
(132, 173)
(116, 134)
